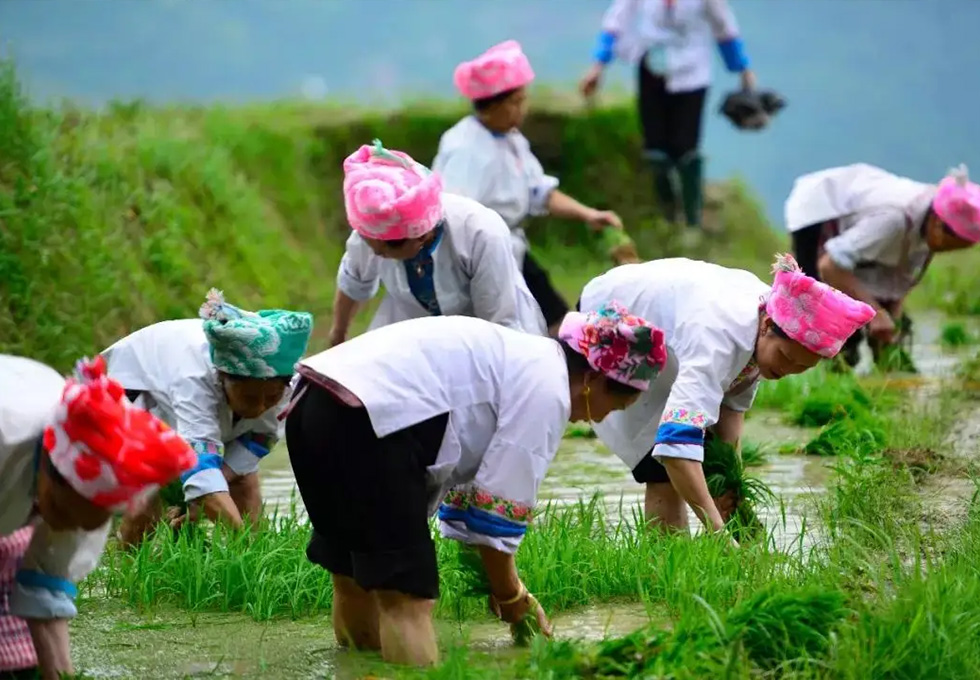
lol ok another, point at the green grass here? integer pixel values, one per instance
(117, 219)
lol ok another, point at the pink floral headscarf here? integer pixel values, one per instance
(617, 344)
(501, 68)
(957, 204)
(389, 196)
(817, 316)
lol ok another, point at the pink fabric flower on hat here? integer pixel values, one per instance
(817, 316)
(389, 196)
(111, 452)
(957, 204)
(501, 68)
(617, 344)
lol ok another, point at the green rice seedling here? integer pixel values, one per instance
(835, 399)
(580, 431)
(725, 473)
(955, 334)
(781, 624)
(753, 455)
(864, 434)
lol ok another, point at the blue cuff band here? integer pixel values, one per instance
(603, 52)
(733, 52)
(35, 579)
(675, 433)
(257, 449)
(482, 522)
(205, 461)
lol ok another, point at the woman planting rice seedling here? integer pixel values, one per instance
(221, 385)
(872, 235)
(71, 453)
(724, 330)
(435, 253)
(485, 157)
(455, 415)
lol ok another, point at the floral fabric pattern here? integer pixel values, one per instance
(749, 372)
(623, 347)
(815, 315)
(683, 416)
(464, 498)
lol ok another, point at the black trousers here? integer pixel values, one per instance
(366, 496)
(552, 304)
(671, 121)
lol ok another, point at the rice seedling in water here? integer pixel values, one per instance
(863, 434)
(955, 334)
(725, 473)
(830, 401)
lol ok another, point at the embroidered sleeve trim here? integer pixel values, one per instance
(683, 416)
(259, 444)
(209, 457)
(35, 579)
(485, 513)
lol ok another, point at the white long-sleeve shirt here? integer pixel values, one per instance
(879, 221)
(474, 273)
(680, 41)
(496, 170)
(170, 365)
(55, 560)
(710, 318)
(506, 393)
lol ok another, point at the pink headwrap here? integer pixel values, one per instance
(109, 451)
(957, 204)
(388, 195)
(617, 344)
(503, 67)
(812, 313)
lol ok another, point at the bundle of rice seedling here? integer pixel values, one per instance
(777, 625)
(833, 400)
(727, 480)
(862, 435)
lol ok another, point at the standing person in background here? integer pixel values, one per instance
(873, 234)
(72, 453)
(485, 157)
(724, 329)
(436, 253)
(220, 383)
(672, 42)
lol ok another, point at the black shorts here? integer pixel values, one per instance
(652, 471)
(366, 497)
(552, 305)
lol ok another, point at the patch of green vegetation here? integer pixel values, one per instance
(956, 334)
(144, 209)
(860, 435)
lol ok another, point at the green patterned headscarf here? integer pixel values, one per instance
(263, 344)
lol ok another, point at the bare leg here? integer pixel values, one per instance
(217, 507)
(664, 508)
(407, 634)
(246, 492)
(355, 615)
(133, 529)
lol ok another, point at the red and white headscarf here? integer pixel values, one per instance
(111, 452)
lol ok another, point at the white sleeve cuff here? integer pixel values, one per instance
(203, 483)
(540, 193)
(684, 451)
(458, 531)
(240, 459)
(354, 288)
(840, 254)
(36, 602)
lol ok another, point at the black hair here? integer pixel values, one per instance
(487, 102)
(780, 333)
(579, 365)
(236, 378)
(396, 242)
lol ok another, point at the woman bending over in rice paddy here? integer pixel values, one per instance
(724, 330)
(72, 453)
(450, 415)
(436, 253)
(872, 234)
(221, 385)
